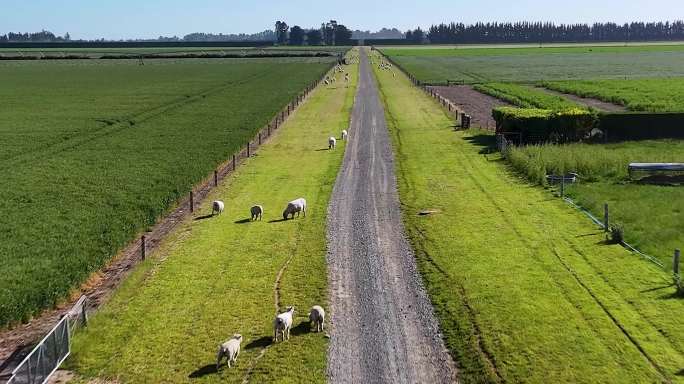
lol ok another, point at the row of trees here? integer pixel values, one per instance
(525, 32)
(330, 33)
(38, 37)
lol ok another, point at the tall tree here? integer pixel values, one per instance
(281, 28)
(342, 35)
(313, 37)
(296, 35)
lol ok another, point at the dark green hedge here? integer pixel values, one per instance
(641, 126)
(527, 125)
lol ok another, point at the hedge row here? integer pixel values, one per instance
(528, 125)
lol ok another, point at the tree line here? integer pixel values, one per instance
(38, 37)
(538, 32)
(330, 33)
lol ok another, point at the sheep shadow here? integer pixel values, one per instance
(322, 149)
(261, 342)
(203, 217)
(201, 372)
(302, 328)
(278, 220)
(680, 373)
(243, 221)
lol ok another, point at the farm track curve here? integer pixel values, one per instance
(383, 328)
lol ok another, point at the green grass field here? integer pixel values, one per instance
(215, 277)
(524, 286)
(527, 96)
(652, 226)
(650, 95)
(479, 65)
(93, 153)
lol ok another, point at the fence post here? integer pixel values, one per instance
(248, 145)
(192, 202)
(562, 186)
(269, 129)
(143, 248)
(259, 138)
(675, 262)
(233, 162)
(605, 217)
(215, 178)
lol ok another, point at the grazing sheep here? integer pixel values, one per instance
(317, 317)
(257, 211)
(282, 325)
(344, 134)
(230, 349)
(217, 207)
(295, 206)
(331, 142)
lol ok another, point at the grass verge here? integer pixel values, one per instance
(524, 286)
(215, 277)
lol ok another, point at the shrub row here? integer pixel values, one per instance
(528, 125)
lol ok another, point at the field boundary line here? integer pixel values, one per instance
(108, 278)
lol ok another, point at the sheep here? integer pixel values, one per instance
(282, 325)
(217, 207)
(257, 211)
(230, 350)
(317, 317)
(295, 206)
(344, 134)
(331, 142)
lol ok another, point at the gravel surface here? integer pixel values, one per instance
(478, 105)
(383, 329)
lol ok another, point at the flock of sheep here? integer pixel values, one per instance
(230, 349)
(282, 324)
(333, 79)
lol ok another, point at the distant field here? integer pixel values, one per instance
(479, 65)
(651, 95)
(94, 153)
(526, 96)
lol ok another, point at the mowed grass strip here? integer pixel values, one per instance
(523, 285)
(215, 277)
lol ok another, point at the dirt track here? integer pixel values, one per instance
(594, 103)
(383, 329)
(478, 105)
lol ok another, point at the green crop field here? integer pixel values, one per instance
(650, 95)
(526, 96)
(524, 286)
(95, 151)
(215, 277)
(478, 65)
(650, 224)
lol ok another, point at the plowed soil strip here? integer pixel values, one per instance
(478, 105)
(589, 102)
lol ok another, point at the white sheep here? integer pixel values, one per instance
(217, 207)
(317, 317)
(295, 206)
(344, 134)
(282, 325)
(331, 142)
(230, 350)
(257, 211)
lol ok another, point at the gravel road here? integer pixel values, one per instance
(383, 329)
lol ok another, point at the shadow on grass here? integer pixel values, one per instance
(591, 234)
(486, 142)
(302, 328)
(656, 288)
(671, 296)
(322, 149)
(203, 217)
(680, 372)
(277, 220)
(201, 372)
(261, 342)
(243, 221)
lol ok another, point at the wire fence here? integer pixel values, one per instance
(52, 350)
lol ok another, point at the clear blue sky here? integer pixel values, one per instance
(123, 19)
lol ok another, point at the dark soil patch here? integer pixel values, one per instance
(478, 105)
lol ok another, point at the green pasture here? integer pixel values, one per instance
(525, 287)
(93, 154)
(216, 276)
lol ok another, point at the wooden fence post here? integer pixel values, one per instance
(143, 248)
(248, 145)
(215, 178)
(675, 262)
(233, 162)
(562, 192)
(259, 138)
(192, 202)
(605, 217)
